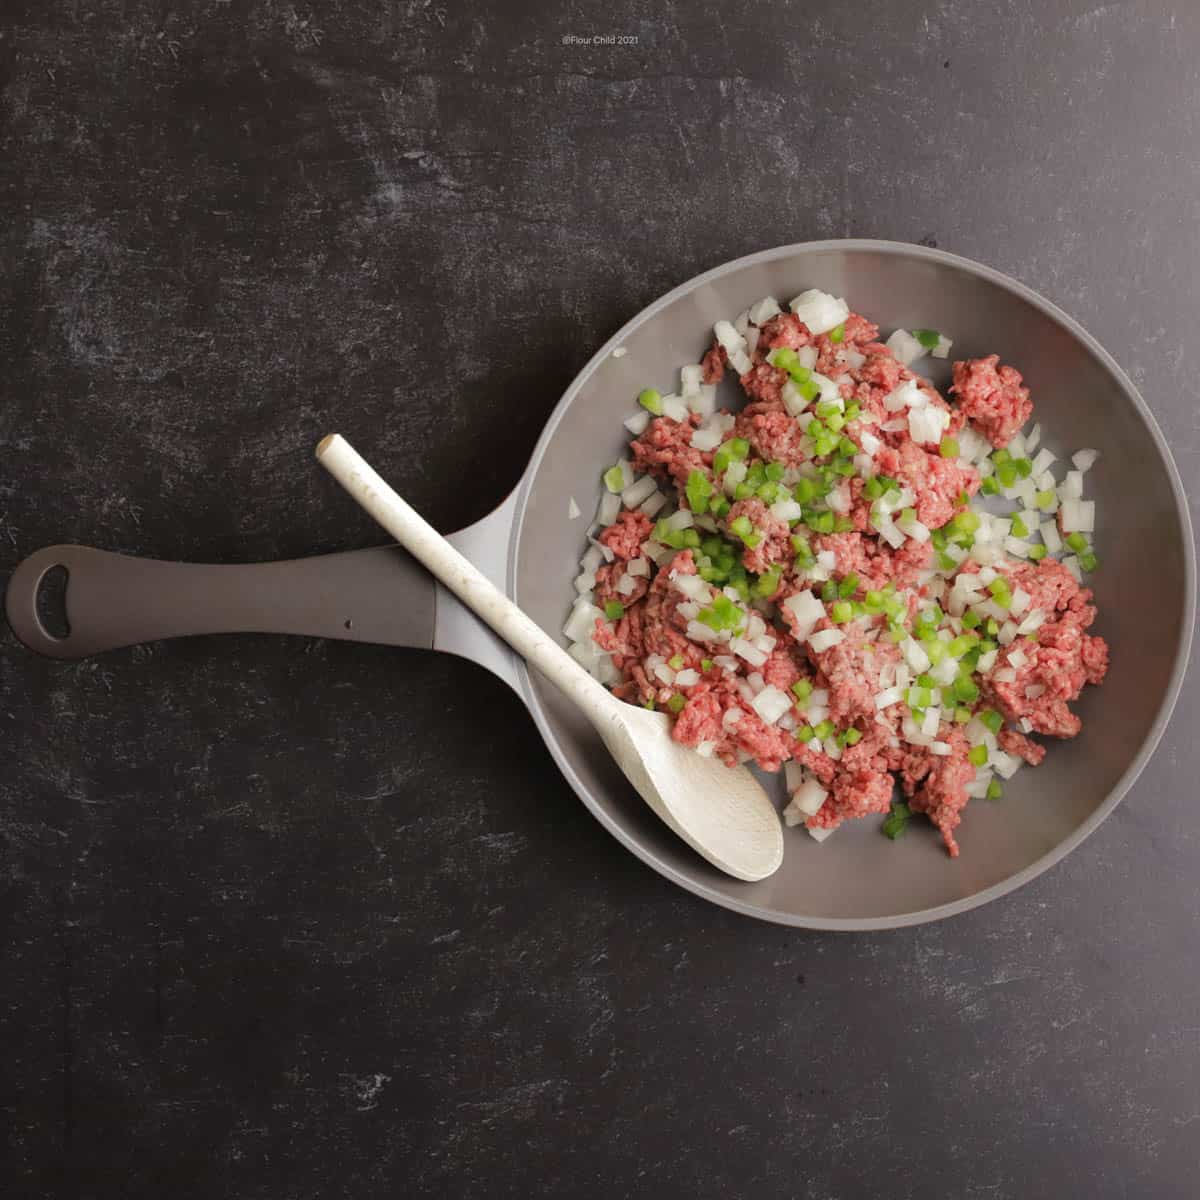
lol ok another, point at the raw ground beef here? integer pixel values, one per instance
(993, 398)
(712, 683)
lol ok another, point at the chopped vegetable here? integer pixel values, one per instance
(651, 401)
(897, 820)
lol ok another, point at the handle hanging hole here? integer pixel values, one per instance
(52, 603)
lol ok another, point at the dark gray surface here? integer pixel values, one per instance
(300, 920)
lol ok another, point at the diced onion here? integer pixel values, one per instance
(653, 503)
(582, 621)
(743, 649)
(1006, 765)
(1078, 516)
(826, 638)
(704, 402)
(690, 379)
(675, 407)
(809, 797)
(764, 310)
(693, 587)
(688, 678)
(905, 395)
(610, 506)
(728, 337)
(1042, 460)
(771, 704)
(904, 347)
(806, 610)
(820, 311)
(927, 424)
(638, 491)
(707, 439)
(1084, 460)
(638, 422)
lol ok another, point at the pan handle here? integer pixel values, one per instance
(382, 596)
(113, 600)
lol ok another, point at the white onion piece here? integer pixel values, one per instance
(819, 835)
(914, 529)
(820, 311)
(707, 439)
(1084, 460)
(927, 424)
(807, 610)
(942, 349)
(904, 347)
(638, 491)
(764, 310)
(744, 650)
(638, 422)
(653, 503)
(693, 587)
(1050, 536)
(681, 519)
(688, 678)
(1071, 487)
(609, 508)
(740, 361)
(728, 337)
(904, 395)
(675, 408)
(825, 639)
(1006, 765)
(582, 621)
(1078, 516)
(704, 402)
(771, 704)
(1042, 460)
(1034, 619)
(690, 379)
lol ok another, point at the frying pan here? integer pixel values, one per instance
(857, 880)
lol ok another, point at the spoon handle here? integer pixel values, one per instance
(478, 593)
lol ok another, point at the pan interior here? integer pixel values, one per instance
(858, 879)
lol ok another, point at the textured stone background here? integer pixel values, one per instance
(271, 927)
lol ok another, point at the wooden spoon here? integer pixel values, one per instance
(721, 812)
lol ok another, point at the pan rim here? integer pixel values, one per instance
(1170, 695)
